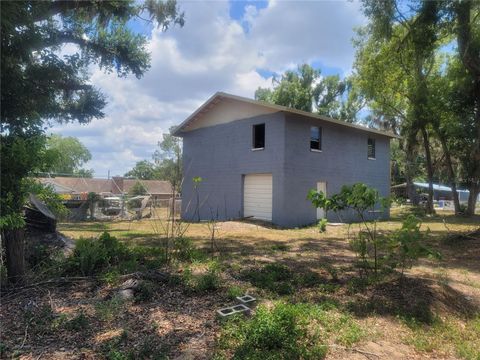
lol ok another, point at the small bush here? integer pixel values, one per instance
(112, 277)
(234, 291)
(407, 244)
(328, 288)
(94, 255)
(209, 281)
(111, 257)
(184, 250)
(322, 225)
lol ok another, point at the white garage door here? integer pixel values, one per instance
(257, 196)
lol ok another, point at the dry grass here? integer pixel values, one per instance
(431, 314)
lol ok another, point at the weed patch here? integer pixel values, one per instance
(280, 247)
(449, 336)
(234, 291)
(205, 282)
(107, 310)
(279, 279)
(287, 331)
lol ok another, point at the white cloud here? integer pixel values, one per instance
(211, 53)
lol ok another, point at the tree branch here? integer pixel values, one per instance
(59, 6)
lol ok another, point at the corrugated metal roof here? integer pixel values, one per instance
(437, 187)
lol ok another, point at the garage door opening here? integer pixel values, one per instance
(257, 196)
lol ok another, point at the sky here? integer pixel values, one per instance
(230, 46)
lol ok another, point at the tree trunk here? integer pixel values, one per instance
(428, 157)
(15, 254)
(470, 60)
(410, 171)
(472, 199)
(451, 173)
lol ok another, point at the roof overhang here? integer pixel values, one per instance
(220, 96)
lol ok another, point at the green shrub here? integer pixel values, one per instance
(209, 281)
(109, 256)
(322, 225)
(112, 277)
(184, 250)
(407, 244)
(94, 255)
(234, 291)
(286, 331)
(273, 331)
(149, 257)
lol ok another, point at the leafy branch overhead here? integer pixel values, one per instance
(38, 83)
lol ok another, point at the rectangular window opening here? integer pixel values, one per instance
(371, 149)
(316, 138)
(258, 136)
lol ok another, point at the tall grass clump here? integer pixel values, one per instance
(286, 331)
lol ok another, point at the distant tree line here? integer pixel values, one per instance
(166, 162)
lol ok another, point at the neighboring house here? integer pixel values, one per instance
(260, 160)
(77, 188)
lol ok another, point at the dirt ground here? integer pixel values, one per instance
(178, 324)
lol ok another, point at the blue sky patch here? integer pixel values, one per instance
(237, 7)
(265, 73)
(327, 70)
(237, 11)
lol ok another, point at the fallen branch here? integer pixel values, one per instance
(149, 275)
(24, 337)
(60, 280)
(363, 352)
(471, 235)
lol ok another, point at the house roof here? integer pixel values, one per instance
(220, 96)
(79, 184)
(63, 184)
(153, 186)
(437, 187)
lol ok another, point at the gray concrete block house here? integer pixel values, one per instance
(259, 160)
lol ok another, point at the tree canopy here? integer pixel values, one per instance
(67, 155)
(426, 93)
(168, 159)
(167, 162)
(306, 89)
(144, 170)
(41, 86)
